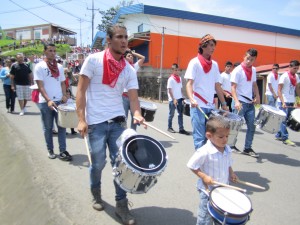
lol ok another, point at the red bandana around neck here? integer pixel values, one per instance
(111, 68)
(292, 78)
(206, 63)
(248, 71)
(275, 75)
(175, 77)
(53, 68)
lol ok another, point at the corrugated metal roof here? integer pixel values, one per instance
(174, 13)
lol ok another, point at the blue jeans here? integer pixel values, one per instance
(283, 133)
(10, 97)
(203, 218)
(179, 109)
(100, 136)
(199, 126)
(48, 116)
(248, 112)
(271, 100)
(126, 105)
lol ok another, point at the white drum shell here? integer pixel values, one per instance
(67, 118)
(269, 118)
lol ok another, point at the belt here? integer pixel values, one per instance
(118, 119)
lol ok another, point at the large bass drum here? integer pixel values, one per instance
(140, 161)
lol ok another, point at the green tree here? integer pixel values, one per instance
(108, 15)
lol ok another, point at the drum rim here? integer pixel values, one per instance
(278, 112)
(213, 215)
(133, 166)
(216, 207)
(240, 119)
(293, 116)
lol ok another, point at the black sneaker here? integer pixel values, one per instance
(250, 152)
(184, 132)
(171, 130)
(51, 155)
(65, 156)
(235, 149)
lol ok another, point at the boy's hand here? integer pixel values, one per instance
(233, 177)
(208, 180)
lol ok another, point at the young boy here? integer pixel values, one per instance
(212, 162)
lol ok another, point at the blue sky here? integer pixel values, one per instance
(15, 13)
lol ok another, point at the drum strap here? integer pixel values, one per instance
(200, 97)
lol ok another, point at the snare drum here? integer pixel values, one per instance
(294, 120)
(229, 206)
(236, 123)
(269, 118)
(148, 110)
(67, 116)
(186, 107)
(140, 160)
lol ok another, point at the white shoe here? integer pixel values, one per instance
(22, 113)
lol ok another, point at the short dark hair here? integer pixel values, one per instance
(228, 63)
(252, 52)
(276, 65)
(174, 66)
(127, 52)
(215, 122)
(294, 63)
(111, 29)
(49, 44)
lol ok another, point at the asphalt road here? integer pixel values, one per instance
(174, 199)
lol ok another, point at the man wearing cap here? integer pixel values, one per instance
(203, 78)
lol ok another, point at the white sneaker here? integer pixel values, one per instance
(22, 113)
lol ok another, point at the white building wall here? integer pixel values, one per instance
(198, 29)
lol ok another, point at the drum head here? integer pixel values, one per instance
(227, 115)
(148, 105)
(296, 115)
(67, 107)
(144, 154)
(274, 110)
(231, 201)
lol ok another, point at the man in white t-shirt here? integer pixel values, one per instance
(243, 85)
(102, 80)
(126, 103)
(226, 84)
(288, 85)
(50, 78)
(272, 85)
(203, 78)
(175, 98)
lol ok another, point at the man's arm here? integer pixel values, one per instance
(272, 90)
(64, 91)
(83, 84)
(220, 94)
(256, 92)
(140, 57)
(189, 92)
(280, 86)
(135, 106)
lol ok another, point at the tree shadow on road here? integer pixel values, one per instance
(154, 215)
(252, 177)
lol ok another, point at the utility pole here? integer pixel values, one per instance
(161, 62)
(93, 17)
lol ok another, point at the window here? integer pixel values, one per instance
(140, 28)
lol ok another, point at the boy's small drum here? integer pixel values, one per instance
(229, 206)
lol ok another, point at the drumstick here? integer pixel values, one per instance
(230, 186)
(153, 127)
(251, 184)
(202, 112)
(54, 109)
(87, 149)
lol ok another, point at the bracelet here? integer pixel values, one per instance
(224, 103)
